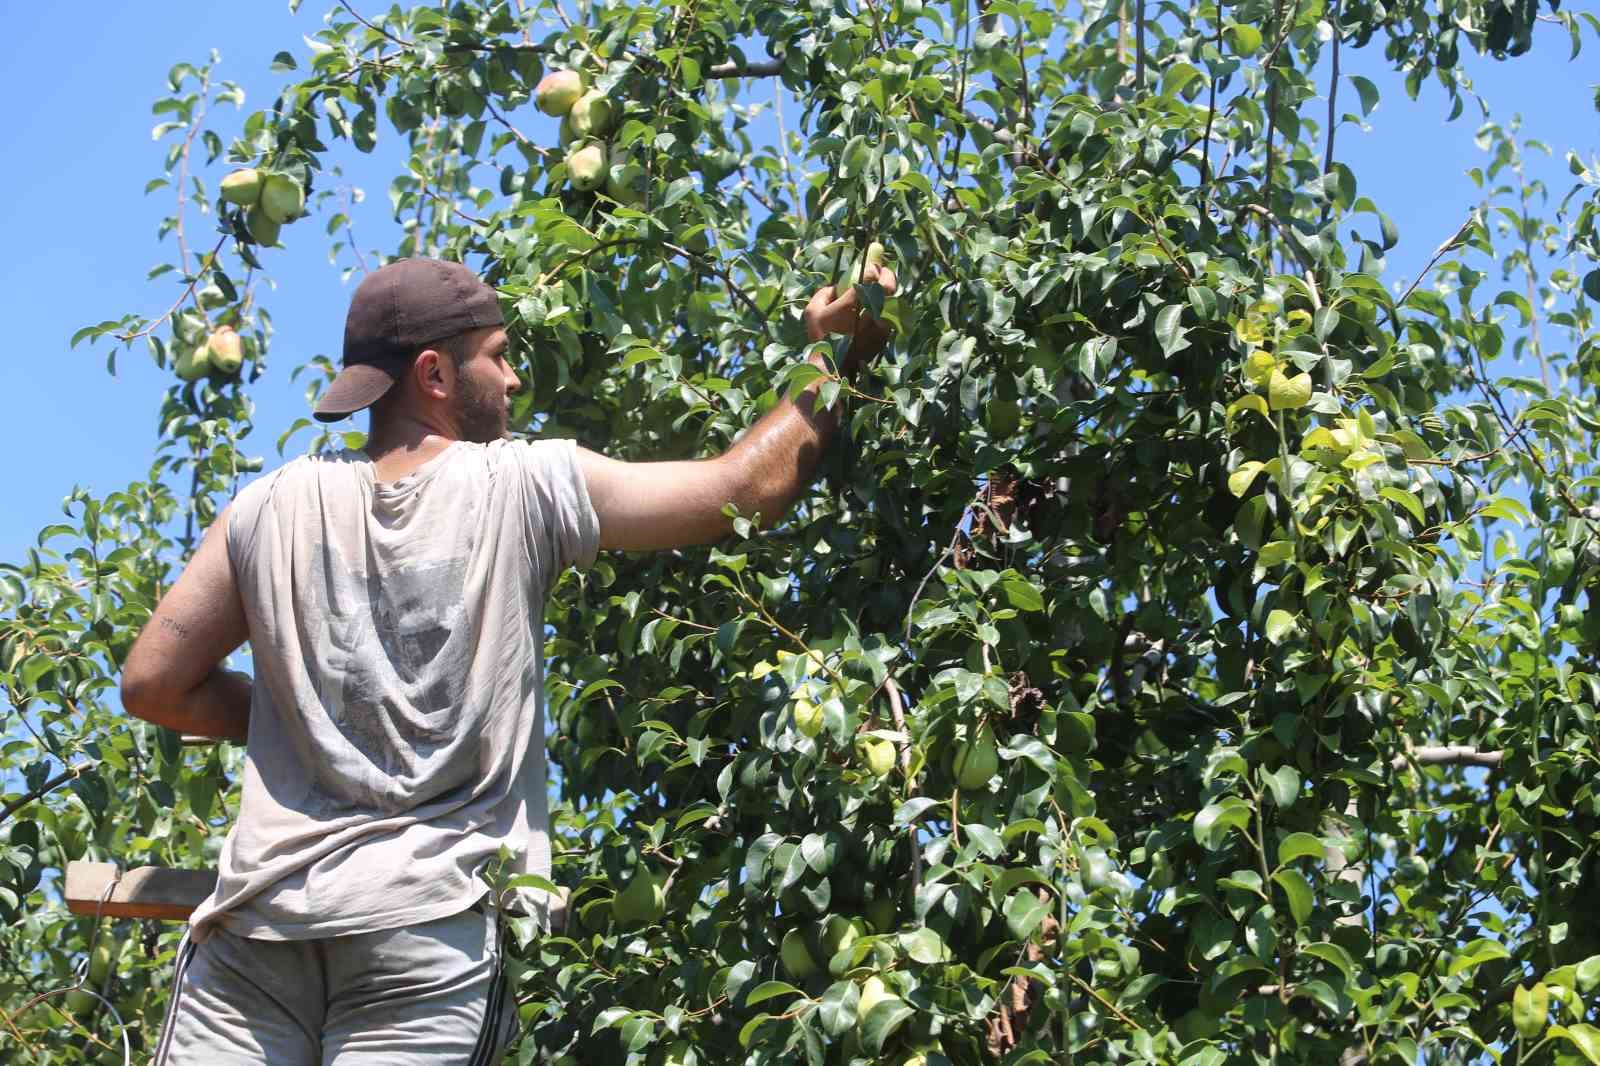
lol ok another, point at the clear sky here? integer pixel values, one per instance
(83, 234)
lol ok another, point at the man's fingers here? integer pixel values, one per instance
(883, 276)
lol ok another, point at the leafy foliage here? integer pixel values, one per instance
(1271, 587)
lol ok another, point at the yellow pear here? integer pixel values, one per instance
(558, 91)
(226, 350)
(242, 187)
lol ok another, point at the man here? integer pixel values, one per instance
(393, 602)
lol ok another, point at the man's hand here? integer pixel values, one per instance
(828, 312)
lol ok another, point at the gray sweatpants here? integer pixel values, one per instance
(429, 993)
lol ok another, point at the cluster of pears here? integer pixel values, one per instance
(587, 115)
(270, 199)
(202, 350)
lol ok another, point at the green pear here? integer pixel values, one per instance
(873, 257)
(807, 717)
(796, 957)
(565, 133)
(873, 992)
(242, 187)
(558, 91)
(879, 756)
(587, 166)
(881, 913)
(976, 761)
(592, 114)
(282, 198)
(100, 962)
(226, 350)
(625, 182)
(193, 363)
(642, 902)
(262, 227)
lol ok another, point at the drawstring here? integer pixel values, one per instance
(185, 953)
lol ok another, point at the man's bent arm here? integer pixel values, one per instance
(173, 675)
(647, 506)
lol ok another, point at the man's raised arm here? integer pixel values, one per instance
(675, 504)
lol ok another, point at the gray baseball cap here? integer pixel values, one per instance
(396, 310)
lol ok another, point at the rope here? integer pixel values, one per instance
(81, 974)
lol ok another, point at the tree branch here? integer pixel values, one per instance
(76, 770)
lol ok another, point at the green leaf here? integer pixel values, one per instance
(1024, 911)
(1530, 1010)
(1244, 38)
(1285, 393)
(1299, 846)
(882, 1021)
(1591, 284)
(1298, 890)
(1169, 330)
(1215, 819)
(768, 989)
(1406, 500)
(1281, 625)
(1240, 480)
(1334, 954)
(1285, 785)
(1247, 402)
(1476, 954)
(1368, 93)
(1585, 1037)
(1588, 973)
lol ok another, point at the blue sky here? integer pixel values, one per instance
(83, 234)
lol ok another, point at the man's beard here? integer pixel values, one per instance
(481, 415)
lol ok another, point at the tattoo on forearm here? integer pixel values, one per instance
(177, 627)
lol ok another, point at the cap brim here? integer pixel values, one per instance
(356, 388)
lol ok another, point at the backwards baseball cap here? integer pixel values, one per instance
(396, 310)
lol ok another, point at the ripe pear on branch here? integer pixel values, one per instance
(283, 199)
(642, 902)
(625, 180)
(586, 167)
(263, 229)
(225, 350)
(558, 91)
(873, 257)
(591, 115)
(193, 363)
(242, 187)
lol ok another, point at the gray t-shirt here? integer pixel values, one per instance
(397, 720)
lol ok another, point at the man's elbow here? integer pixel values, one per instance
(143, 695)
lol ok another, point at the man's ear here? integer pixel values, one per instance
(435, 374)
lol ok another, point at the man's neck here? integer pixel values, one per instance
(400, 447)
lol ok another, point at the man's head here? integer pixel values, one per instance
(424, 340)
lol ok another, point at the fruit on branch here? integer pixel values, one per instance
(242, 187)
(625, 181)
(643, 901)
(872, 258)
(796, 956)
(282, 198)
(262, 228)
(879, 755)
(565, 133)
(226, 351)
(807, 717)
(558, 91)
(591, 116)
(976, 761)
(839, 933)
(873, 992)
(100, 962)
(587, 166)
(193, 363)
